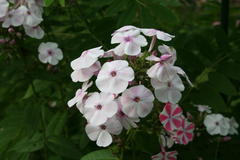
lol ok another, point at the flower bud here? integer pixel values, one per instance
(11, 30)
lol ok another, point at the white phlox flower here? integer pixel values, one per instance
(217, 124)
(169, 91)
(34, 32)
(99, 107)
(87, 58)
(50, 53)
(102, 133)
(137, 101)
(79, 96)
(126, 121)
(84, 74)
(130, 43)
(114, 76)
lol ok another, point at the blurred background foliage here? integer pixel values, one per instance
(36, 123)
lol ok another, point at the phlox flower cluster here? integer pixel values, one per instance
(120, 103)
(26, 13)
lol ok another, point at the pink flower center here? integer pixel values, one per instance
(50, 53)
(128, 39)
(99, 107)
(169, 84)
(35, 27)
(136, 99)
(103, 127)
(113, 73)
(121, 114)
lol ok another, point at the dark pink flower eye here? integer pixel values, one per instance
(50, 52)
(136, 99)
(127, 39)
(113, 73)
(99, 107)
(103, 127)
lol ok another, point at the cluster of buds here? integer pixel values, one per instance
(26, 13)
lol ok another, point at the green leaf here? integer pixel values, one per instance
(203, 77)
(28, 93)
(56, 124)
(231, 70)
(48, 2)
(206, 94)
(29, 144)
(222, 84)
(63, 147)
(99, 155)
(161, 13)
(116, 6)
(62, 2)
(128, 16)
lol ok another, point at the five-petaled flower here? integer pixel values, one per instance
(50, 53)
(171, 116)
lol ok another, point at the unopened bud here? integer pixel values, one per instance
(11, 30)
(19, 35)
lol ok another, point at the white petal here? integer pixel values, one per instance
(140, 40)
(174, 96)
(164, 36)
(104, 139)
(153, 58)
(119, 50)
(97, 118)
(114, 126)
(149, 32)
(132, 49)
(144, 109)
(92, 132)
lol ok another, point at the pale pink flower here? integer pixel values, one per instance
(15, 17)
(185, 133)
(126, 121)
(3, 8)
(84, 74)
(50, 53)
(130, 43)
(137, 101)
(162, 70)
(216, 124)
(166, 51)
(165, 156)
(102, 133)
(203, 108)
(171, 116)
(114, 76)
(87, 58)
(99, 107)
(79, 96)
(169, 91)
(159, 34)
(34, 32)
(31, 18)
